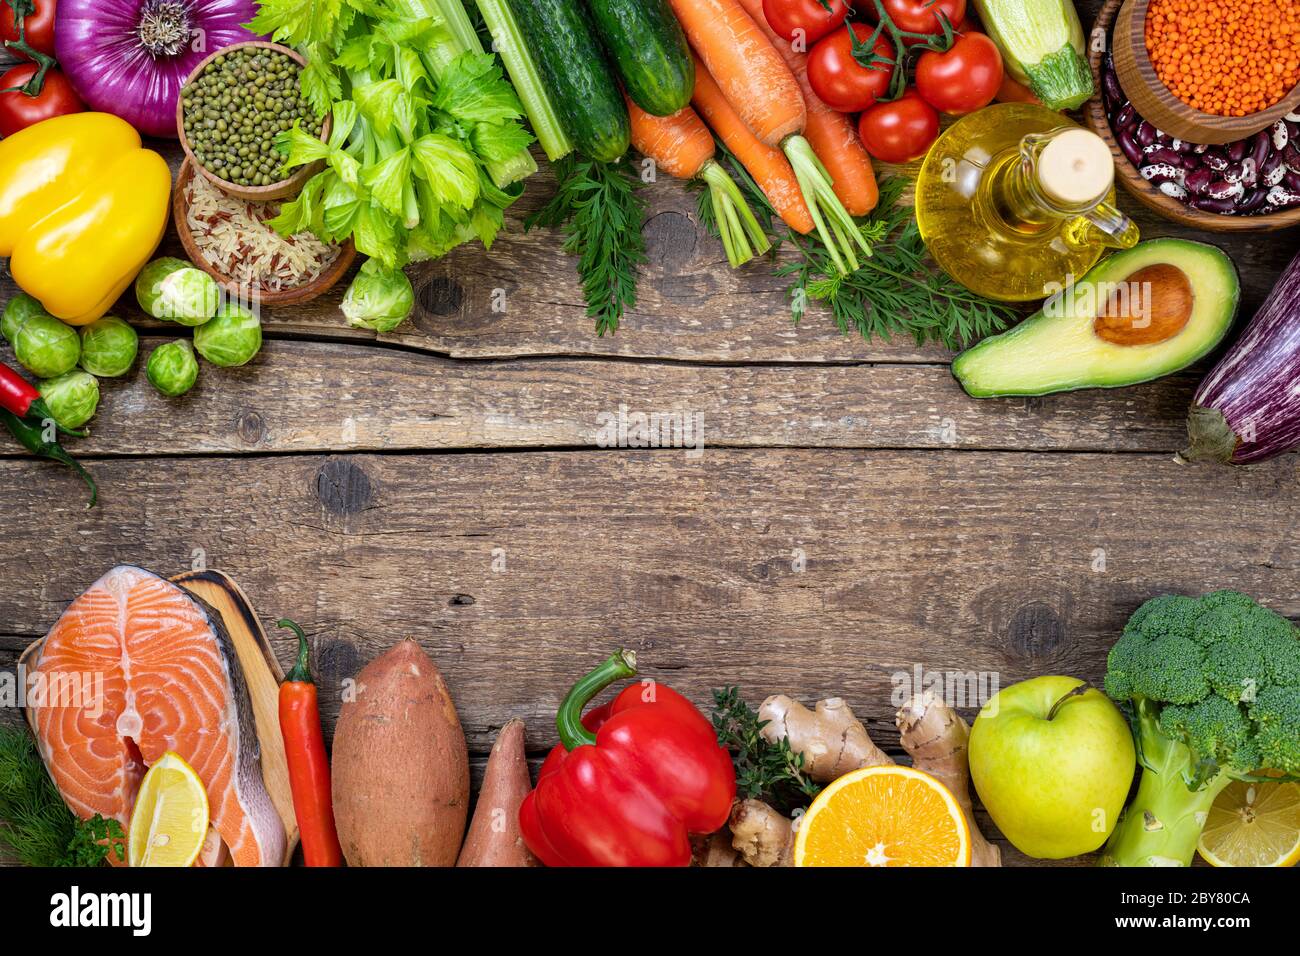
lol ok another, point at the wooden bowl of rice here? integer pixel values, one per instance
(228, 239)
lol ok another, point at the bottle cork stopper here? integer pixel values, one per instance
(1076, 167)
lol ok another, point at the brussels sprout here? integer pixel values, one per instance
(108, 347)
(173, 289)
(172, 368)
(232, 338)
(71, 397)
(46, 347)
(19, 309)
(379, 298)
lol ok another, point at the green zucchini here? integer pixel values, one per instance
(577, 75)
(1042, 47)
(650, 51)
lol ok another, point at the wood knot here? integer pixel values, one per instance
(461, 600)
(1035, 630)
(343, 487)
(441, 295)
(251, 428)
(670, 239)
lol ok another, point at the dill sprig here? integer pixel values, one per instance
(598, 208)
(896, 290)
(770, 772)
(35, 824)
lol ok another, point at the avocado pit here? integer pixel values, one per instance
(1151, 305)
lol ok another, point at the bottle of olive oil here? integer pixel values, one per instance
(1015, 202)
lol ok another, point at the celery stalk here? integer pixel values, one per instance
(510, 46)
(464, 39)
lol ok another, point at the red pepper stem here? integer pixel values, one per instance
(301, 672)
(568, 719)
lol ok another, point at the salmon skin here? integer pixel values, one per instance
(170, 681)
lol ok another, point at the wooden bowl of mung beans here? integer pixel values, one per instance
(232, 107)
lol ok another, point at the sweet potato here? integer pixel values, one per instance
(494, 838)
(401, 768)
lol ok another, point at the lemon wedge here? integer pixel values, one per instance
(170, 820)
(1253, 824)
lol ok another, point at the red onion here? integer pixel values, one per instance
(130, 57)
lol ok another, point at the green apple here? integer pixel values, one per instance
(1053, 763)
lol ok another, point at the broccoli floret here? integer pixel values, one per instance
(1212, 687)
(1276, 714)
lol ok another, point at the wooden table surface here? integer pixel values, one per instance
(853, 513)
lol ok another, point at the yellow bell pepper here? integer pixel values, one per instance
(82, 208)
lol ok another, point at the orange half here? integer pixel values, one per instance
(884, 816)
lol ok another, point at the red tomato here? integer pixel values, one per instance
(19, 111)
(803, 22)
(920, 16)
(40, 26)
(962, 80)
(842, 82)
(899, 131)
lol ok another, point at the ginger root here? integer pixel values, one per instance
(714, 849)
(834, 742)
(831, 739)
(761, 835)
(936, 737)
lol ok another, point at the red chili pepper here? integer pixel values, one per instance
(19, 396)
(309, 767)
(628, 784)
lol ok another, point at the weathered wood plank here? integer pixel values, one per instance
(1002, 564)
(310, 397)
(693, 307)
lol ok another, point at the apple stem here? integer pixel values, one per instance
(1078, 691)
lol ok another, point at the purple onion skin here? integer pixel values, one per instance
(101, 53)
(1254, 386)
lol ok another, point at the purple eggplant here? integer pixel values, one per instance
(1248, 407)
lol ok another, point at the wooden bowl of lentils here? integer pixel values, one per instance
(230, 111)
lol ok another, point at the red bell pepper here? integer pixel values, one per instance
(629, 783)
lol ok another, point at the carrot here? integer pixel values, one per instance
(767, 164)
(832, 134)
(682, 146)
(750, 73)
(679, 144)
(1012, 92)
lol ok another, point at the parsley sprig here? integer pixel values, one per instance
(895, 291)
(36, 827)
(598, 207)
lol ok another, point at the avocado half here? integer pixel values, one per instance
(1135, 316)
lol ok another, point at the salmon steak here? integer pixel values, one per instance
(164, 676)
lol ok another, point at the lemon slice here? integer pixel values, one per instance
(170, 820)
(884, 816)
(1253, 824)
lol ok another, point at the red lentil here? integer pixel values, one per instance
(1227, 57)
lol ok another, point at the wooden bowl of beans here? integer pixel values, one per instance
(229, 112)
(1250, 184)
(1192, 78)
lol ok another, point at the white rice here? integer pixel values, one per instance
(233, 236)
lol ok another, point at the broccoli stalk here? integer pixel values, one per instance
(1162, 824)
(1211, 686)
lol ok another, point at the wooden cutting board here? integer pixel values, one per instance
(262, 673)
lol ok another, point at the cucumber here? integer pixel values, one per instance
(577, 75)
(649, 50)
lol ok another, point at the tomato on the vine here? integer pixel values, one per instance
(40, 26)
(804, 22)
(841, 81)
(963, 79)
(901, 130)
(920, 16)
(19, 111)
